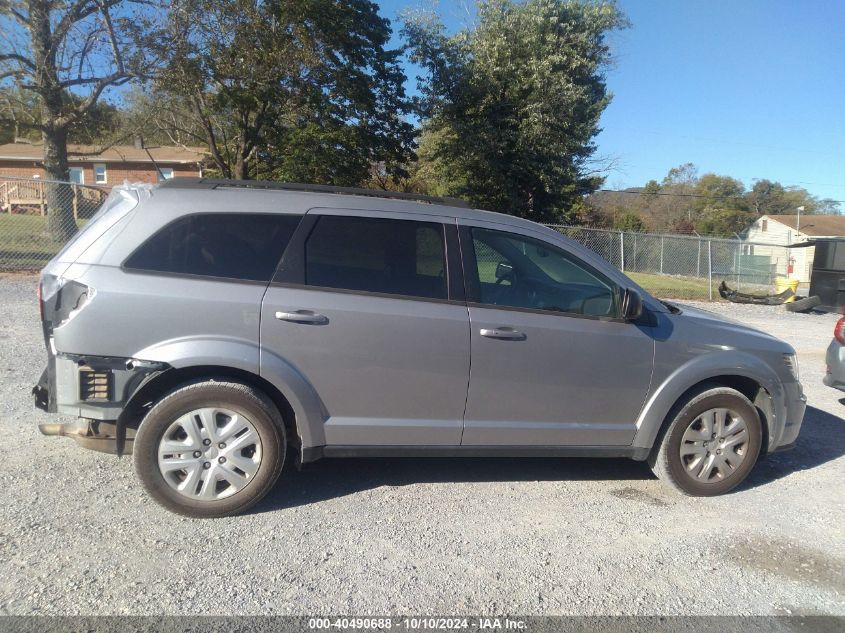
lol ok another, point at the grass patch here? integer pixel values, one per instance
(25, 243)
(670, 287)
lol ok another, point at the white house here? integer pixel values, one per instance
(783, 230)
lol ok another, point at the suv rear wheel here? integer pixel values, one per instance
(210, 449)
(711, 444)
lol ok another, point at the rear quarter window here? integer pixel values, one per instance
(245, 246)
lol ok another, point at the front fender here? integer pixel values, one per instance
(701, 368)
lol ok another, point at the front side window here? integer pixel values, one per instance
(100, 175)
(401, 257)
(521, 272)
(229, 245)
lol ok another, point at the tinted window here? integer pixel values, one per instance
(838, 250)
(376, 255)
(231, 245)
(521, 272)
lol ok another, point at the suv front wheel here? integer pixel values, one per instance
(210, 449)
(711, 443)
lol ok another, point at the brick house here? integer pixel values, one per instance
(103, 168)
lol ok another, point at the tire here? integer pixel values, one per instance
(219, 479)
(686, 431)
(803, 305)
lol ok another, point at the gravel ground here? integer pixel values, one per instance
(520, 536)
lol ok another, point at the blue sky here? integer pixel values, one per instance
(746, 88)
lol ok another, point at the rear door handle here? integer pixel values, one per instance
(505, 333)
(302, 316)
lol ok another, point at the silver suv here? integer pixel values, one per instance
(211, 328)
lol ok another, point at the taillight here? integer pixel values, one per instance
(839, 331)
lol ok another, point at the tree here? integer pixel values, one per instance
(20, 120)
(513, 104)
(683, 176)
(629, 222)
(652, 188)
(767, 197)
(68, 55)
(772, 198)
(307, 88)
(720, 205)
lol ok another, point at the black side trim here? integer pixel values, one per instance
(470, 265)
(454, 267)
(573, 315)
(632, 452)
(291, 269)
(366, 293)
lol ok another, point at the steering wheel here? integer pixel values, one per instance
(528, 289)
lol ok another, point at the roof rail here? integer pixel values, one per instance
(212, 183)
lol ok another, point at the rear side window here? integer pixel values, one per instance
(402, 257)
(229, 245)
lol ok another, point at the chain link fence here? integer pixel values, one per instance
(683, 266)
(38, 216)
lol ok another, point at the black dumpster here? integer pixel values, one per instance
(827, 279)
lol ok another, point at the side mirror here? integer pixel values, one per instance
(632, 305)
(503, 271)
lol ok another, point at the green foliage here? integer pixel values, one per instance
(685, 202)
(20, 120)
(772, 198)
(512, 106)
(629, 222)
(652, 188)
(685, 176)
(306, 88)
(720, 206)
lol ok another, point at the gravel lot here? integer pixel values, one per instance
(389, 536)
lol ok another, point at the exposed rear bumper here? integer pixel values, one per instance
(835, 360)
(93, 434)
(41, 393)
(44, 392)
(796, 405)
(96, 391)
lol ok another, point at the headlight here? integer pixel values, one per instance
(791, 362)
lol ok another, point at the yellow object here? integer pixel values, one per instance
(784, 284)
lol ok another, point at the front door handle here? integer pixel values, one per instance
(302, 316)
(505, 333)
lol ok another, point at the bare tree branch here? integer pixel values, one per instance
(118, 57)
(19, 74)
(6, 7)
(78, 11)
(17, 57)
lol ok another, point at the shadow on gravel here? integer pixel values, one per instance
(821, 440)
(331, 478)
